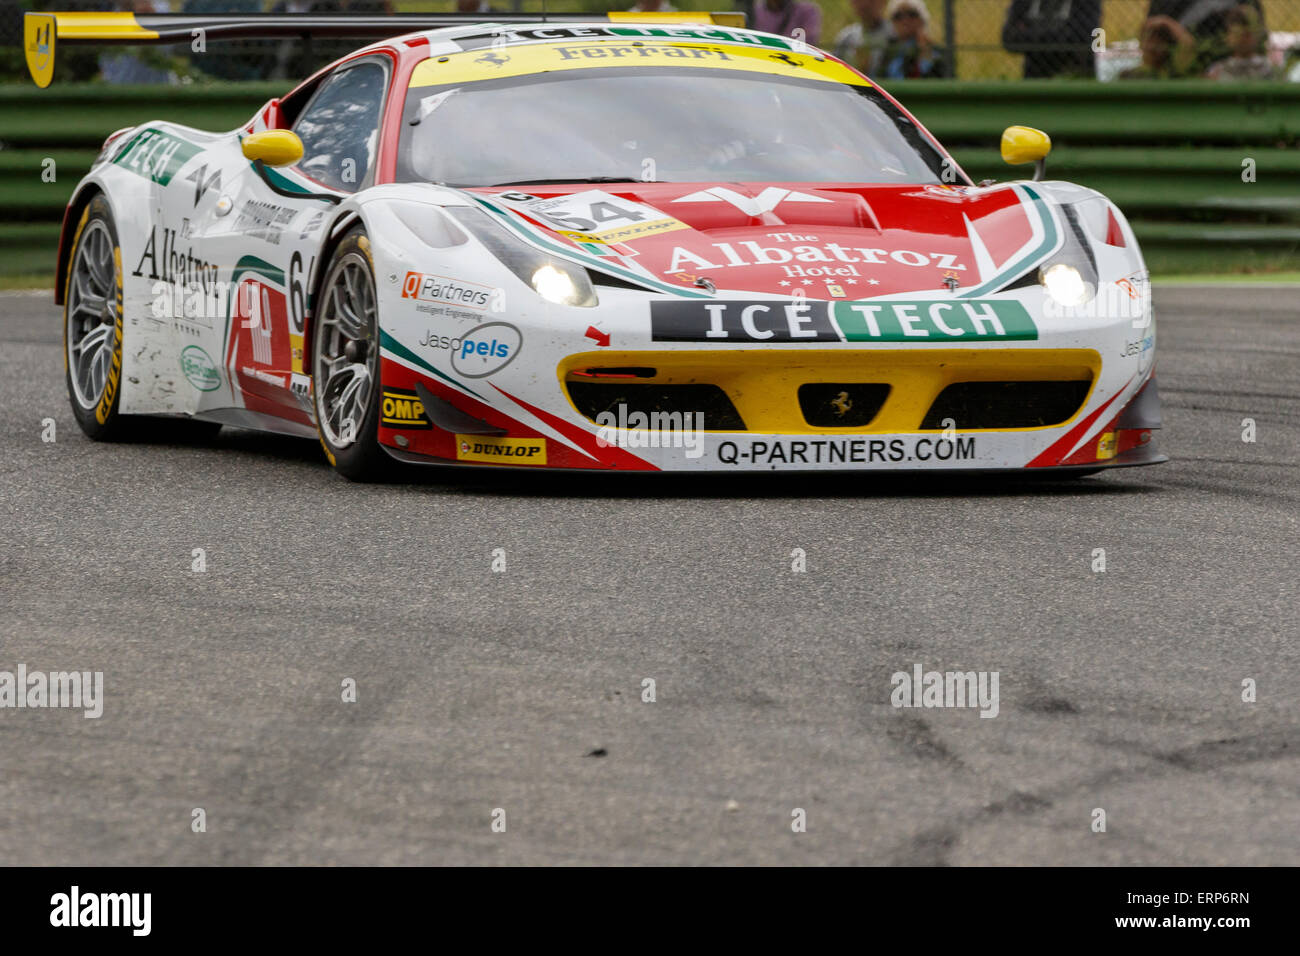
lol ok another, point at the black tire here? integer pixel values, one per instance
(346, 324)
(92, 325)
(93, 381)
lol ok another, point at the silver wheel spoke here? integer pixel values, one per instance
(350, 324)
(91, 300)
(93, 341)
(100, 263)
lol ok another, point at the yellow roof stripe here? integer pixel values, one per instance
(720, 19)
(487, 64)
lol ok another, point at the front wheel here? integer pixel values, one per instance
(345, 363)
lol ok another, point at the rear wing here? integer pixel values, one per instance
(44, 32)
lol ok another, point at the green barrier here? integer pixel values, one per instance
(1169, 154)
(1135, 113)
(81, 116)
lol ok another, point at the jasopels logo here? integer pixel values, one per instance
(487, 349)
(199, 369)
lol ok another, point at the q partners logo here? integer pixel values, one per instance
(487, 349)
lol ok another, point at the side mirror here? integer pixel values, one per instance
(274, 147)
(1023, 144)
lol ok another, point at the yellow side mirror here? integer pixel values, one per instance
(1024, 144)
(275, 147)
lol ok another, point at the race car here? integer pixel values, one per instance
(645, 243)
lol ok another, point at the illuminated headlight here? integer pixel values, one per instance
(556, 286)
(554, 279)
(1065, 285)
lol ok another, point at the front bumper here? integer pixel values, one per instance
(595, 389)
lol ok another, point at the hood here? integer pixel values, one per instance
(830, 241)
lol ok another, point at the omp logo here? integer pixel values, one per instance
(402, 409)
(436, 288)
(156, 155)
(501, 451)
(130, 910)
(199, 369)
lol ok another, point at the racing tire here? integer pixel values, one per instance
(92, 325)
(346, 389)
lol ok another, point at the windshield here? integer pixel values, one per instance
(662, 125)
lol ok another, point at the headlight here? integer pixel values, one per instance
(556, 280)
(1065, 285)
(554, 285)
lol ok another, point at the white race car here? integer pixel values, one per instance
(640, 244)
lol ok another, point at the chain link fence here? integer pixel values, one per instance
(1102, 39)
(891, 40)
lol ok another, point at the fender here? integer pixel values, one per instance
(86, 190)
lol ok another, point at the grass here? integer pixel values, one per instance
(1228, 278)
(36, 281)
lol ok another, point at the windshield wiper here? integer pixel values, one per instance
(575, 179)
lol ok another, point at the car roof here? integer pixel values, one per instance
(488, 33)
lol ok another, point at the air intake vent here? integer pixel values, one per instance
(592, 398)
(1006, 404)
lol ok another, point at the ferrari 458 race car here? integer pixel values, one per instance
(639, 244)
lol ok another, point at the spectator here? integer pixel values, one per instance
(787, 18)
(1243, 38)
(652, 6)
(862, 42)
(1054, 35)
(475, 6)
(1168, 50)
(1207, 21)
(910, 54)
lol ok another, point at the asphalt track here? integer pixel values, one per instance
(522, 690)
